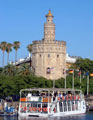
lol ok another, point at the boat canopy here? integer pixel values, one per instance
(51, 89)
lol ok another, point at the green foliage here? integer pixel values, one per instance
(16, 45)
(29, 47)
(84, 65)
(11, 85)
(59, 83)
(13, 78)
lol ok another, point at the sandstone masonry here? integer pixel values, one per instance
(48, 54)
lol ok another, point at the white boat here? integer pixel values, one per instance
(45, 102)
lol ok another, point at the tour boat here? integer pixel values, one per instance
(45, 102)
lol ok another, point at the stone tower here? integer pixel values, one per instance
(48, 54)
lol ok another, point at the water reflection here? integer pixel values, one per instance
(8, 118)
(80, 117)
(32, 118)
(77, 117)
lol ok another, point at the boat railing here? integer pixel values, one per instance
(48, 107)
(34, 107)
(69, 98)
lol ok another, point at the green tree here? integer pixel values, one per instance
(9, 70)
(23, 70)
(3, 46)
(8, 50)
(16, 45)
(85, 65)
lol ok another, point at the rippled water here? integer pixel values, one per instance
(88, 116)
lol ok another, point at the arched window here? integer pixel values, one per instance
(48, 70)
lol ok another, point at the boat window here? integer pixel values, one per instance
(39, 105)
(44, 105)
(65, 106)
(76, 104)
(73, 106)
(61, 107)
(34, 104)
(44, 108)
(69, 106)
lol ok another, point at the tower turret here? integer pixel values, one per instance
(49, 28)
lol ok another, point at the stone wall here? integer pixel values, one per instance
(46, 55)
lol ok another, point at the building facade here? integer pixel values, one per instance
(48, 54)
(70, 60)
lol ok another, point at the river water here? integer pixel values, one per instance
(88, 116)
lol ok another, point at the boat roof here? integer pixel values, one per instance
(51, 89)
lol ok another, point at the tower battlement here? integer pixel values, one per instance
(63, 43)
(37, 42)
(60, 42)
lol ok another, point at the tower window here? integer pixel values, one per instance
(57, 56)
(48, 70)
(40, 55)
(48, 55)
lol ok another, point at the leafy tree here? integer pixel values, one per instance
(9, 70)
(12, 79)
(1, 69)
(23, 70)
(84, 65)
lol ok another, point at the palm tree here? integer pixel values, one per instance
(3, 46)
(16, 45)
(29, 47)
(8, 50)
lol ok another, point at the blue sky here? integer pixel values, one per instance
(23, 20)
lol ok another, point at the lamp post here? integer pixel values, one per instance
(65, 80)
(80, 79)
(52, 69)
(73, 79)
(87, 84)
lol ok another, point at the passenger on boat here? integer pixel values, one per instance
(5, 105)
(60, 95)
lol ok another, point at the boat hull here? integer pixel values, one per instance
(8, 114)
(52, 114)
